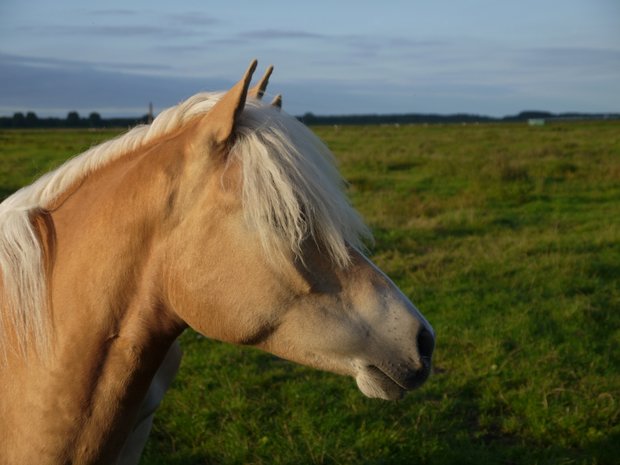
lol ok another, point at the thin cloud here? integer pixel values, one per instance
(406, 42)
(41, 62)
(114, 12)
(562, 57)
(180, 48)
(229, 41)
(281, 34)
(193, 18)
(85, 89)
(196, 18)
(115, 31)
(127, 31)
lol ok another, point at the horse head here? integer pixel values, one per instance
(262, 248)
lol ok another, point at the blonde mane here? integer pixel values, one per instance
(292, 191)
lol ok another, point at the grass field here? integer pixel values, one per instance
(507, 238)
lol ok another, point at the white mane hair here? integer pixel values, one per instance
(292, 192)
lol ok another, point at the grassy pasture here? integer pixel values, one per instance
(506, 237)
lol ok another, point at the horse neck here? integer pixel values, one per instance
(107, 242)
(111, 327)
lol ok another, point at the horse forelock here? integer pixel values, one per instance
(291, 187)
(292, 191)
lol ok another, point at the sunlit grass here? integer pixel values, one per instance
(506, 237)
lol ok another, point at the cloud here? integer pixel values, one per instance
(114, 12)
(409, 76)
(112, 31)
(126, 23)
(193, 18)
(57, 87)
(586, 59)
(276, 34)
(196, 18)
(41, 62)
(124, 31)
(180, 48)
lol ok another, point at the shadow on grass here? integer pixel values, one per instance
(182, 459)
(605, 450)
(404, 165)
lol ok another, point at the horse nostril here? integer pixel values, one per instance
(426, 344)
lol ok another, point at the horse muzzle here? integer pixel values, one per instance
(391, 377)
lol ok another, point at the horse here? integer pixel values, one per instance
(225, 215)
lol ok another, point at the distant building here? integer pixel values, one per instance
(536, 122)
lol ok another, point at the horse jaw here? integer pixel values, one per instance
(373, 383)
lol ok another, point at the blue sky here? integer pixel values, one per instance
(331, 57)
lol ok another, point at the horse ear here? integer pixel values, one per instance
(224, 114)
(277, 102)
(259, 89)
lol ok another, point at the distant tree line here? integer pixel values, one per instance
(428, 118)
(72, 120)
(527, 115)
(94, 119)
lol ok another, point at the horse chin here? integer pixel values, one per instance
(376, 384)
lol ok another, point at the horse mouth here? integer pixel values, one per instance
(381, 383)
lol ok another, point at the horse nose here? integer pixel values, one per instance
(426, 344)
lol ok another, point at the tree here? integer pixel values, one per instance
(95, 119)
(31, 119)
(308, 118)
(19, 120)
(73, 119)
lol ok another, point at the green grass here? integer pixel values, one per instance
(506, 237)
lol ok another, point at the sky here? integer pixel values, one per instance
(331, 57)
